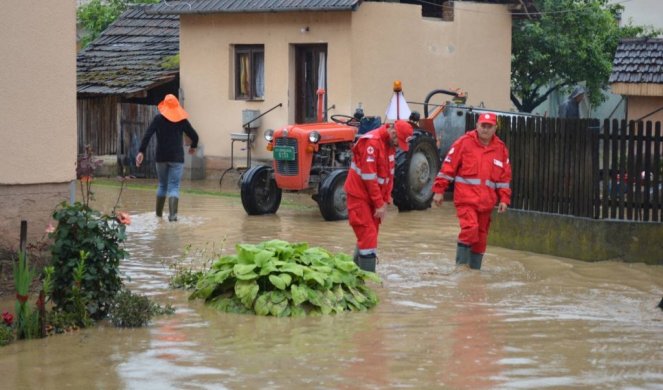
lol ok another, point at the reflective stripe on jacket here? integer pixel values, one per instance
(482, 173)
(371, 174)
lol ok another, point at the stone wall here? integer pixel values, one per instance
(34, 203)
(579, 238)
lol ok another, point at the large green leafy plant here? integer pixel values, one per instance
(87, 250)
(282, 279)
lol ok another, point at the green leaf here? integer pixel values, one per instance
(263, 258)
(279, 309)
(361, 298)
(221, 276)
(299, 294)
(278, 282)
(292, 268)
(268, 269)
(315, 276)
(263, 305)
(247, 291)
(240, 269)
(246, 253)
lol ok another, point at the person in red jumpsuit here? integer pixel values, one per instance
(478, 164)
(369, 184)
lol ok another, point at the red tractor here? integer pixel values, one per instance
(316, 157)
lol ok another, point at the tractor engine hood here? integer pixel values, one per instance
(329, 132)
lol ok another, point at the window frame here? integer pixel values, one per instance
(251, 53)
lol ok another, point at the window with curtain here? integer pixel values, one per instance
(249, 72)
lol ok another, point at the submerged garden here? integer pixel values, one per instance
(81, 283)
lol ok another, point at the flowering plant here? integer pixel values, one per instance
(82, 229)
(7, 318)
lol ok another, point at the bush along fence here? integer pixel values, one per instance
(580, 167)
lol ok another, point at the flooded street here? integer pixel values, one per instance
(524, 321)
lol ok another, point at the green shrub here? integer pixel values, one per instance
(6, 334)
(282, 279)
(84, 230)
(132, 310)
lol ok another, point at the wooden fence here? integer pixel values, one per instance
(582, 168)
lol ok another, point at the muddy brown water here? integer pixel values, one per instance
(525, 321)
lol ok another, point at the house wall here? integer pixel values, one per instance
(639, 106)
(366, 51)
(37, 113)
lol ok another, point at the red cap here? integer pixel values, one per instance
(404, 131)
(487, 117)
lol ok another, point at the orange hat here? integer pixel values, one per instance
(171, 109)
(404, 131)
(487, 117)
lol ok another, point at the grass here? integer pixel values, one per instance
(107, 182)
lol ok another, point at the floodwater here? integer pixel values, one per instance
(524, 321)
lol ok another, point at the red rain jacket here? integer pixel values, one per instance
(371, 175)
(482, 174)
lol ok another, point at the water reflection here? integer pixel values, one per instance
(524, 321)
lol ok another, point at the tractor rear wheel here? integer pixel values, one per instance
(415, 173)
(259, 192)
(331, 196)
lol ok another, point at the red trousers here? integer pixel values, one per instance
(365, 226)
(474, 227)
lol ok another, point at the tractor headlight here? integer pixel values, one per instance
(314, 137)
(269, 135)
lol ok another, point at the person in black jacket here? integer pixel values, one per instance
(571, 107)
(169, 125)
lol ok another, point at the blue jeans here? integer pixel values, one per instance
(169, 174)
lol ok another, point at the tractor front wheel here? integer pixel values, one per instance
(415, 173)
(260, 195)
(331, 196)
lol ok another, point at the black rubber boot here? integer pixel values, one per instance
(475, 260)
(355, 256)
(462, 254)
(172, 209)
(161, 201)
(367, 262)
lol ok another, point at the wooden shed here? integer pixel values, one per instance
(637, 74)
(121, 76)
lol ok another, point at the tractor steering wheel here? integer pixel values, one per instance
(345, 120)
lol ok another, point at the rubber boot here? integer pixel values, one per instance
(355, 256)
(172, 209)
(475, 260)
(367, 262)
(161, 200)
(462, 254)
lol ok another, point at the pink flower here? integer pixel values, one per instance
(50, 228)
(124, 218)
(7, 318)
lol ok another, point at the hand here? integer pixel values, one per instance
(139, 159)
(381, 212)
(192, 150)
(501, 207)
(438, 199)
